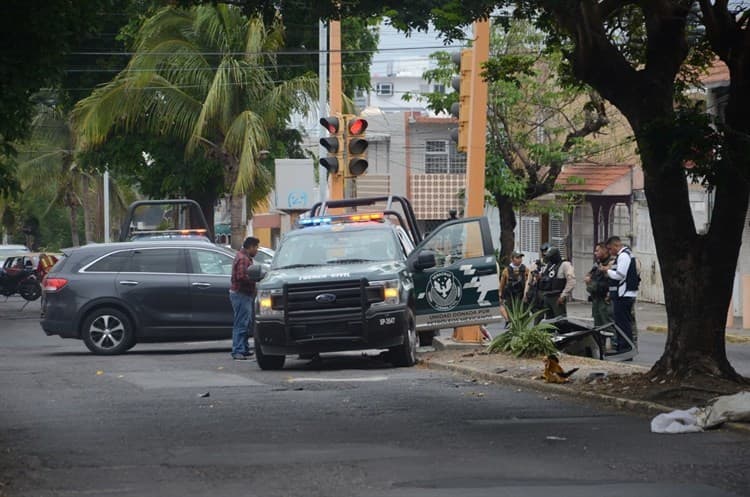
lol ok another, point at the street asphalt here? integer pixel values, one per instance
(184, 420)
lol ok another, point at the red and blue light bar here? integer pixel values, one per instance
(348, 218)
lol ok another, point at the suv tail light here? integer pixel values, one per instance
(53, 284)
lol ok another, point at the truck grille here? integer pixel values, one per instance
(315, 303)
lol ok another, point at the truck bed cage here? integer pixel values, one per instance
(321, 208)
(195, 209)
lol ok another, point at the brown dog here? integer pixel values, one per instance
(553, 372)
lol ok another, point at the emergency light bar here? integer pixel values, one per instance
(349, 218)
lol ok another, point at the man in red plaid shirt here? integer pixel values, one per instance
(242, 293)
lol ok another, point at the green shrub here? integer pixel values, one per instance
(524, 337)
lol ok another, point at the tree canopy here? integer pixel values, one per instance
(641, 55)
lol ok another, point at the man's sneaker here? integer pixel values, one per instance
(249, 353)
(239, 357)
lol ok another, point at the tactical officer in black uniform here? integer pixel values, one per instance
(556, 284)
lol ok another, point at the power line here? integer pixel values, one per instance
(295, 52)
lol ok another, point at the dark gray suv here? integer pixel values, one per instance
(115, 295)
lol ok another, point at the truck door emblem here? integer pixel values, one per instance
(325, 298)
(443, 291)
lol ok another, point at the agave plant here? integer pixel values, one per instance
(525, 336)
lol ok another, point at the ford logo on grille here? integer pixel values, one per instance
(325, 298)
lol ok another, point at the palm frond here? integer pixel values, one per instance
(245, 139)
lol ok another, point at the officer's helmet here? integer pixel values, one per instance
(553, 255)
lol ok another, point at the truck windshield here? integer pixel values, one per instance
(344, 247)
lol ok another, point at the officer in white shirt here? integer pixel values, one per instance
(623, 288)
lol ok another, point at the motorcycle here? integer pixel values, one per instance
(576, 336)
(20, 276)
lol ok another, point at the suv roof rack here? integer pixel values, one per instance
(321, 208)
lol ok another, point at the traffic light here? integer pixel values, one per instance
(462, 108)
(356, 146)
(334, 144)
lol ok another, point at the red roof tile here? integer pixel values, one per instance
(717, 73)
(593, 178)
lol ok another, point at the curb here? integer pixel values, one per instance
(730, 337)
(640, 406)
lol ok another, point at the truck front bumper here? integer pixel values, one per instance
(379, 329)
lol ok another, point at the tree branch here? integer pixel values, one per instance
(592, 123)
(594, 58)
(719, 26)
(667, 46)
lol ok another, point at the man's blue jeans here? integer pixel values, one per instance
(242, 304)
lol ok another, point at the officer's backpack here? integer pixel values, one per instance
(633, 278)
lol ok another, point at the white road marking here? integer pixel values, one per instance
(309, 379)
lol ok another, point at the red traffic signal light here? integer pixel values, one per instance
(331, 123)
(356, 146)
(333, 144)
(357, 126)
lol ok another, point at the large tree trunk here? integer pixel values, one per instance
(87, 218)
(73, 212)
(507, 228)
(697, 269)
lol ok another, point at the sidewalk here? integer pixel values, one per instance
(650, 317)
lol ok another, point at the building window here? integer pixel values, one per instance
(436, 157)
(528, 234)
(384, 89)
(438, 89)
(457, 160)
(557, 233)
(441, 157)
(619, 220)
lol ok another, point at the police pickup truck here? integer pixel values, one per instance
(365, 279)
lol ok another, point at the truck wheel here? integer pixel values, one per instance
(268, 362)
(405, 355)
(107, 331)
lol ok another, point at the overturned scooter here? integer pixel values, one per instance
(577, 337)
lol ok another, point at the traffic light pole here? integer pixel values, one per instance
(336, 181)
(476, 147)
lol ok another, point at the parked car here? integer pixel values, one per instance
(115, 295)
(7, 250)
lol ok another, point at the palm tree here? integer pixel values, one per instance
(47, 164)
(206, 76)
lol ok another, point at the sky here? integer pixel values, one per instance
(406, 55)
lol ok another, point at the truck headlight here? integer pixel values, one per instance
(269, 303)
(390, 291)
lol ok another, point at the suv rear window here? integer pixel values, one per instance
(168, 260)
(112, 263)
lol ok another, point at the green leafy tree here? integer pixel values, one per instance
(47, 166)
(536, 121)
(157, 167)
(641, 56)
(35, 36)
(206, 76)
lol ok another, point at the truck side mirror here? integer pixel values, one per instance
(256, 272)
(425, 260)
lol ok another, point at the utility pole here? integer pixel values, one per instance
(336, 181)
(476, 147)
(322, 101)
